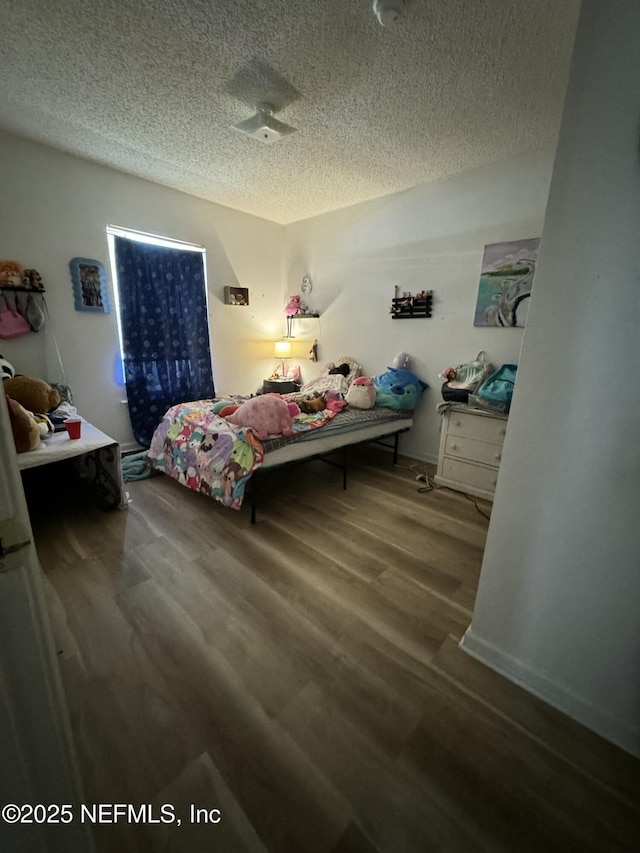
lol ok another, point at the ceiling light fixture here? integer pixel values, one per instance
(263, 126)
(389, 12)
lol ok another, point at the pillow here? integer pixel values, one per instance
(398, 388)
(354, 368)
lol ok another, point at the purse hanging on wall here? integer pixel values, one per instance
(12, 324)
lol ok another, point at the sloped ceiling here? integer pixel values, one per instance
(152, 87)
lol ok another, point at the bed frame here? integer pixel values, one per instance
(318, 448)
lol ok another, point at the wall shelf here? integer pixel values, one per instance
(298, 317)
(410, 307)
(8, 288)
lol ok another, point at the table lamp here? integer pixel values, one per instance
(282, 350)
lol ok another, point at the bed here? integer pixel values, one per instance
(203, 451)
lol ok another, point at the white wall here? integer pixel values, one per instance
(431, 237)
(558, 607)
(57, 207)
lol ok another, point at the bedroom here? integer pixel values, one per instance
(371, 247)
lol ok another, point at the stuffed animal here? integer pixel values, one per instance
(293, 373)
(6, 368)
(36, 395)
(225, 411)
(293, 306)
(361, 393)
(25, 429)
(267, 415)
(220, 404)
(398, 388)
(401, 361)
(311, 405)
(10, 273)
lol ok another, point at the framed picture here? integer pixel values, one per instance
(505, 283)
(89, 285)
(236, 296)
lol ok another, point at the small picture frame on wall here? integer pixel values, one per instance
(89, 285)
(236, 296)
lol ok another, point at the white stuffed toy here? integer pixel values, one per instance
(361, 393)
(401, 361)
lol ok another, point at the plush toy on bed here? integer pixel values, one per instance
(35, 395)
(361, 393)
(398, 387)
(267, 415)
(24, 427)
(312, 405)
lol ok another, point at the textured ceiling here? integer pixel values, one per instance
(151, 87)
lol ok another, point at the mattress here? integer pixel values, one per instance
(351, 426)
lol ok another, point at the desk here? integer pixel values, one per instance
(97, 459)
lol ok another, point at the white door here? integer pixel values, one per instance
(36, 754)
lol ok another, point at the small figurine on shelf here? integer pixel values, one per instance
(32, 280)
(422, 295)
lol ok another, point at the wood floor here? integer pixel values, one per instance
(303, 676)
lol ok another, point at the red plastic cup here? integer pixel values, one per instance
(74, 426)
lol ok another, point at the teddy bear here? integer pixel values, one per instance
(36, 395)
(25, 429)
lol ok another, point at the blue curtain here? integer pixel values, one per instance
(165, 331)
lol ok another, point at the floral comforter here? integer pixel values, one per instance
(204, 452)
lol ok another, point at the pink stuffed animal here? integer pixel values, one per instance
(267, 415)
(293, 306)
(361, 394)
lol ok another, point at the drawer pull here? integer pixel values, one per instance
(454, 446)
(498, 456)
(456, 423)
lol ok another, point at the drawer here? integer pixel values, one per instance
(469, 476)
(480, 427)
(475, 451)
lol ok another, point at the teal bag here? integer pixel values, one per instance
(497, 389)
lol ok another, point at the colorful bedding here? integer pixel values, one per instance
(204, 452)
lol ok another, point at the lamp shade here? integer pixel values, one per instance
(282, 349)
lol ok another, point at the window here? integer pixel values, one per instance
(163, 321)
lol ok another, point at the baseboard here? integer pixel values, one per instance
(574, 706)
(130, 447)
